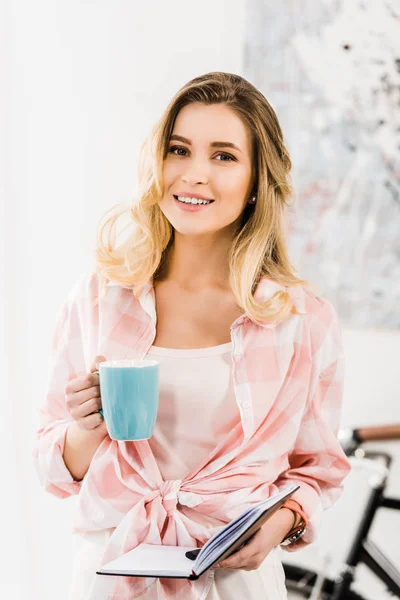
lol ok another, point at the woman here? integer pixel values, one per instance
(251, 360)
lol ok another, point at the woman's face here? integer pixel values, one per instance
(209, 157)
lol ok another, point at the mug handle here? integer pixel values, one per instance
(100, 409)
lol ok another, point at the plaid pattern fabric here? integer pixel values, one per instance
(288, 379)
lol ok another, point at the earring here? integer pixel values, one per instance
(252, 200)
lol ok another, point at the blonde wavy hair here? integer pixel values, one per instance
(259, 247)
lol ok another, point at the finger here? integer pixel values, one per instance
(85, 395)
(74, 400)
(95, 364)
(245, 553)
(91, 421)
(87, 408)
(237, 560)
(102, 428)
(246, 566)
(81, 383)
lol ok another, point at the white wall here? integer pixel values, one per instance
(85, 82)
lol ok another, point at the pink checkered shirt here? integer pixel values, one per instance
(288, 380)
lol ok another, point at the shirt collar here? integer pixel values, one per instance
(265, 290)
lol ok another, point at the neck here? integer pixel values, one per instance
(198, 262)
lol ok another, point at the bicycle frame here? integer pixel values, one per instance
(365, 551)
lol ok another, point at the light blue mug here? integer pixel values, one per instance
(129, 396)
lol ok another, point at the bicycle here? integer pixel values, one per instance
(308, 583)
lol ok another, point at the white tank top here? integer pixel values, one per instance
(197, 406)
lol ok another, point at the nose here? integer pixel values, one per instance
(195, 172)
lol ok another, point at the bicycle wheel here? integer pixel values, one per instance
(300, 583)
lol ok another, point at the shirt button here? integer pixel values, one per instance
(245, 403)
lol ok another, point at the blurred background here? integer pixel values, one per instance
(82, 84)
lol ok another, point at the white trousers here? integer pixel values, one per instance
(265, 583)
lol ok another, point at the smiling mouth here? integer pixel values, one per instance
(200, 201)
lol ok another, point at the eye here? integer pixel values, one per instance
(180, 151)
(228, 156)
(173, 148)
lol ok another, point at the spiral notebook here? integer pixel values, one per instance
(182, 562)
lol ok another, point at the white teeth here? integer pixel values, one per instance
(192, 200)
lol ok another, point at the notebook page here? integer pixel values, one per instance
(234, 532)
(218, 544)
(229, 528)
(220, 547)
(151, 559)
(229, 531)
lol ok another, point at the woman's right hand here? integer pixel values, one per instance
(83, 399)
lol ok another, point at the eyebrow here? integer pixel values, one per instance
(180, 138)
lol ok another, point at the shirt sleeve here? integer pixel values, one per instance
(317, 462)
(54, 417)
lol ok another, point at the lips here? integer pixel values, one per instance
(191, 208)
(197, 196)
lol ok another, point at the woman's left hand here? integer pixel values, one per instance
(259, 546)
